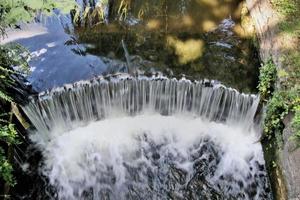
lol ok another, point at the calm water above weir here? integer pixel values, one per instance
(198, 38)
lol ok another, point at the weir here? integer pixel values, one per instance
(87, 101)
(129, 137)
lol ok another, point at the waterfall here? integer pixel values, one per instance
(87, 101)
(148, 138)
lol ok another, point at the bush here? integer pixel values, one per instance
(267, 78)
(281, 103)
(8, 135)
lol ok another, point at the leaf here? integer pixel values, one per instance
(282, 73)
(5, 97)
(65, 6)
(18, 14)
(34, 4)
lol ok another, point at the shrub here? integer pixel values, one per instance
(267, 78)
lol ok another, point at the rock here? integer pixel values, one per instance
(266, 21)
(290, 161)
(20, 90)
(153, 58)
(271, 44)
(111, 55)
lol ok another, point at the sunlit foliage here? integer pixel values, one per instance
(13, 63)
(13, 12)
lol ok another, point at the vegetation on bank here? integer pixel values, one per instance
(289, 13)
(283, 98)
(13, 64)
(8, 134)
(14, 12)
(280, 101)
(267, 79)
(14, 58)
(10, 55)
(296, 124)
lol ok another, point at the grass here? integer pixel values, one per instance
(285, 7)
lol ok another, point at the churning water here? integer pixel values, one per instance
(149, 138)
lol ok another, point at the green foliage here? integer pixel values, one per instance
(5, 97)
(6, 169)
(267, 78)
(8, 135)
(290, 29)
(289, 11)
(285, 7)
(13, 60)
(17, 14)
(13, 12)
(276, 110)
(296, 123)
(14, 55)
(281, 103)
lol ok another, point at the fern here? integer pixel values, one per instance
(6, 169)
(13, 62)
(5, 97)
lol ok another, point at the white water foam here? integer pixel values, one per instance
(73, 158)
(149, 138)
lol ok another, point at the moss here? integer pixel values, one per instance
(296, 124)
(281, 102)
(285, 7)
(271, 154)
(276, 110)
(8, 135)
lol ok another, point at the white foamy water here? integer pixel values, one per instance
(76, 161)
(152, 138)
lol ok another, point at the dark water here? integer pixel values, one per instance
(198, 38)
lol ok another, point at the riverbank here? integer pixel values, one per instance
(278, 31)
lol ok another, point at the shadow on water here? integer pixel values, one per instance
(198, 38)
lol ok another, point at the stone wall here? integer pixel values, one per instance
(290, 162)
(266, 21)
(271, 45)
